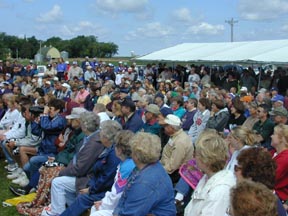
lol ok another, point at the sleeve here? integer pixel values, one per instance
(138, 202)
(107, 173)
(86, 158)
(18, 129)
(54, 125)
(218, 122)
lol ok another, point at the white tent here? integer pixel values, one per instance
(275, 51)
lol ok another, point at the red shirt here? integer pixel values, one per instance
(281, 183)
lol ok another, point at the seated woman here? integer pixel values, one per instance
(249, 198)
(211, 196)
(149, 189)
(237, 116)
(104, 170)
(123, 151)
(238, 139)
(257, 165)
(280, 143)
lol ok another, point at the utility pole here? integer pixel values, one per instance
(231, 23)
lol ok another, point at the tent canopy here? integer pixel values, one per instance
(275, 51)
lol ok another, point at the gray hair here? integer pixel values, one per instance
(122, 139)
(90, 121)
(109, 129)
(146, 147)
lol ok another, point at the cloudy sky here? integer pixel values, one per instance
(144, 26)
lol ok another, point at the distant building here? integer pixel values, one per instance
(49, 53)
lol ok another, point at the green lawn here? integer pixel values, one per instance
(5, 192)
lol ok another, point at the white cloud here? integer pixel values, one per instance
(261, 10)
(150, 30)
(183, 15)
(81, 27)
(285, 28)
(54, 15)
(205, 29)
(121, 5)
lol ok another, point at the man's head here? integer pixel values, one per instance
(171, 124)
(127, 107)
(279, 115)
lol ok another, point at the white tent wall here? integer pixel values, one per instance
(251, 51)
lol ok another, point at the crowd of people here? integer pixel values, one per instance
(123, 139)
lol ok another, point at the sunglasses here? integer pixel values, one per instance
(237, 168)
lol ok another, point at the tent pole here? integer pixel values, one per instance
(259, 78)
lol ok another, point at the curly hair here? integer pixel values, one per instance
(122, 142)
(249, 198)
(146, 147)
(257, 164)
(212, 150)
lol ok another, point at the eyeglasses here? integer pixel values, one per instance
(237, 168)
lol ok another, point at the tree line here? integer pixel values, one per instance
(79, 46)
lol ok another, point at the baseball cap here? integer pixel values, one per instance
(65, 85)
(172, 120)
(76, 112)
(278, 98)
(153, 108)
(279, 111)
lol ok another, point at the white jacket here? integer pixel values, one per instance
(211, 196)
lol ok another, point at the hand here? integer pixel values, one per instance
(84, 191)
(46, 110)
(2, 137)
(97, 204)
(11, 144)
(61, 144)
(60, 137)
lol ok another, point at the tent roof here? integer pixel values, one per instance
(253, 51)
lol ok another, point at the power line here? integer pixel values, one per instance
(231, 23)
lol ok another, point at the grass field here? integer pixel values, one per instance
(5, 192)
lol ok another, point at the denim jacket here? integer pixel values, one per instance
(148, 191)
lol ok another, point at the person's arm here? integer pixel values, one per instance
(85, 160)
(138, 201)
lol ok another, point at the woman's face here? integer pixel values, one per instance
(252, 110)
(233, 110)
(234, 142)
(238, 173)
(276, 140)
(201, 107)
(105, 142)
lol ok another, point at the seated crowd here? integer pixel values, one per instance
(101, 139)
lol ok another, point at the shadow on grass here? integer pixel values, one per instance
(5, 193)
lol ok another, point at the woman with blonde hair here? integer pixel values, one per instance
(149, 189)
(238, 139)
(280, 143)
(211, 196)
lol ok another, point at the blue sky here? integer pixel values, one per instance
(144, 26)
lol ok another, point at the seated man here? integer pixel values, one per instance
(179, 148)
